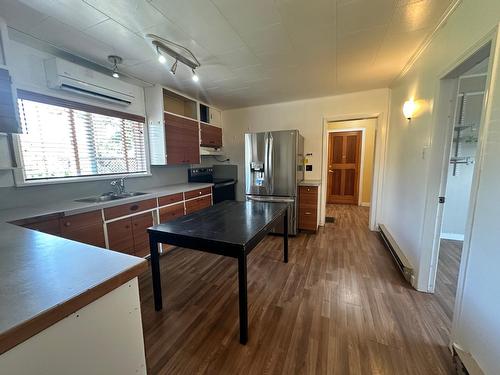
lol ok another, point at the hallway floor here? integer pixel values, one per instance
(450, 253)
(339, 306)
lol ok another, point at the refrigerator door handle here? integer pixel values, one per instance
(271, 162)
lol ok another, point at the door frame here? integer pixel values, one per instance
(362, 157)
(431, 235)
(381, 136)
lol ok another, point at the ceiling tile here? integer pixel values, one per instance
(75, 13)
(248, 16)
(269, 39)
(20, 16)
(66, 37)
(132, 48)
(359, 15)
(136, 15)
(202, 21)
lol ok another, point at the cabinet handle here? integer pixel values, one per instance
(127, 226)
(308, 213)
(134, 207)
(67, 224)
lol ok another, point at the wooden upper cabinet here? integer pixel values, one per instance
(211, 136)
(182, 140)
(86, 228)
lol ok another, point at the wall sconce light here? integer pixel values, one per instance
(409, 109)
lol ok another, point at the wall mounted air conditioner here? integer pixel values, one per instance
(65, 75)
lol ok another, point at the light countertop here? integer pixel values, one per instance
(310, 183)
(40, 272)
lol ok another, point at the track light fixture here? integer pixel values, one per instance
(173, 69)
(115, 60)
(179, 53)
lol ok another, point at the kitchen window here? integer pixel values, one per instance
(65, 140)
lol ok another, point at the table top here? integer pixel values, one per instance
(226, 226)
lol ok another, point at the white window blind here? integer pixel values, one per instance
(59, 142)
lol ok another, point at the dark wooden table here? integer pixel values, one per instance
(231, 229)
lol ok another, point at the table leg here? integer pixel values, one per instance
(285, 236)
(155, 272)
(243, 298)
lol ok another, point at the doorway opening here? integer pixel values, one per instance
(466, 114)
(350, 164)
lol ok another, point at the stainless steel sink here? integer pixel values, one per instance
(109, 197)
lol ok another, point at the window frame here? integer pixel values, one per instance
(19, 172)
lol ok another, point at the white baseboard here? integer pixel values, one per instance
(452, 236)
(365, 204)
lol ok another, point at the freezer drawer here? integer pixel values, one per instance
(292, 211)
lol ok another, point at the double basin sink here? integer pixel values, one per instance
(109, 197)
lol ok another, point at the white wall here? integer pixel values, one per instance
(305, 115)
(411, 188)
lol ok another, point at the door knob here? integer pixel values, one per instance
(330, 171)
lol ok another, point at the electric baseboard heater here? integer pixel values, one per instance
(402, 262)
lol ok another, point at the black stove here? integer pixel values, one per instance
(223, 189)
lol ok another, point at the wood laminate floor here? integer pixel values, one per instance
(450, 252)
(338, 307)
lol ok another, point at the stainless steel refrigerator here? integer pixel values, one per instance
(273, 167)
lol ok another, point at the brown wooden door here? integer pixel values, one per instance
(344, 154)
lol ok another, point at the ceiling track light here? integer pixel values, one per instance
(176, 51)
(173, 69)
(115, 60)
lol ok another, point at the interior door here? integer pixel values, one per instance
(344, 158)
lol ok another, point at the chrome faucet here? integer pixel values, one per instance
(118, 186)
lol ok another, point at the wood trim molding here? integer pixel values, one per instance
(52, 100)
(30, 328)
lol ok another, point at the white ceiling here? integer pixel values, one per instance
(252, 51)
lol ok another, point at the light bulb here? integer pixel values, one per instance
(116, 75)
(195, 76)
(162, 58)
(409, 108)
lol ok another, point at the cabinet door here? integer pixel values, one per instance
(215, 117)
(50, 226)
(182, 140)
(197, 204)
(86, 228)
(308, 208)
(120, 236)
(171, 212)
(211, 136)
(140, 224)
